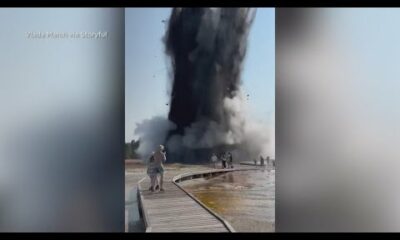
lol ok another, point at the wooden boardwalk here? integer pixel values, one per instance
(258, 164)
(175, 210)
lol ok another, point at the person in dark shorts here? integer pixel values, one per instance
(223, 159)
(230, 160)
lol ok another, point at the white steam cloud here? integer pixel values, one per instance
(152, 132)
(250, 137)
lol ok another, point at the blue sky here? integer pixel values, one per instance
(147, 81)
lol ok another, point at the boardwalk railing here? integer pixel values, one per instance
(207, 173)
(142, 207)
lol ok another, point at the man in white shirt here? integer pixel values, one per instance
(214, 160)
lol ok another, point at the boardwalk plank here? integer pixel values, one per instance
(175, 211)
(180, 218)
(192, 223)
(193, 228)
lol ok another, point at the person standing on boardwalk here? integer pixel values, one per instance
(152, 172)
(261, 161)
(159, 159)
(230, 160)
(214, 160)
(223, 159)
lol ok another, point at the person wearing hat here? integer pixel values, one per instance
(159, 159)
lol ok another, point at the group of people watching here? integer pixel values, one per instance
(226, 159)
(267, 159)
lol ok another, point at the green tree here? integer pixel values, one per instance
(131, 149)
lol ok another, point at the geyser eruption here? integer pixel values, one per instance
(207, 47)
(207, 112)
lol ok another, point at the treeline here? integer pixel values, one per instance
(131, 149)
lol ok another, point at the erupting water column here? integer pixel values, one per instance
(206, 47)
